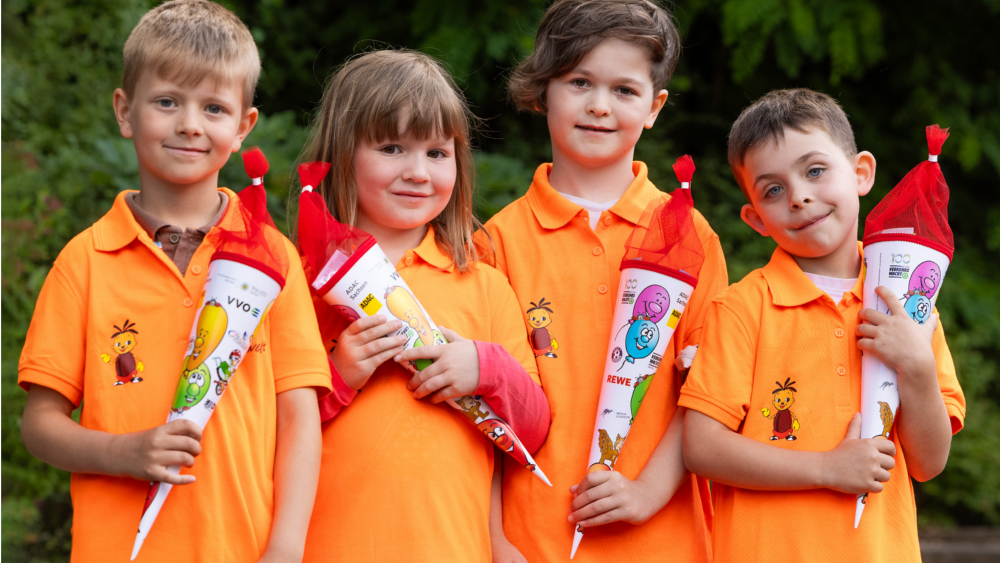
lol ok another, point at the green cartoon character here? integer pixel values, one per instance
(641, 387)
(192, 388)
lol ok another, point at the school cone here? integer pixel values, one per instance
(908, 247)
(238, 293)
(349, 270)
(662, 261)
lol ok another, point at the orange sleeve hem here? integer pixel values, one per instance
(956, 413)
(28, 377)
(321, 381)
(710, 408)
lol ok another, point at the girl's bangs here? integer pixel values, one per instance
(429, 110)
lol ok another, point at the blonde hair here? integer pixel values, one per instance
(189, 40)
(365, 101)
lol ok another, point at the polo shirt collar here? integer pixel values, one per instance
(118, 228)
(553, 210)
(429, 252)
(789, 285)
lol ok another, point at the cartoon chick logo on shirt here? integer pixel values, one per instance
(785, 422)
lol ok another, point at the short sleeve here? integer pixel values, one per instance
(508, 329)
(53, 353)
(951, 391)
(720, 381)
(298, 358)
(712, 280)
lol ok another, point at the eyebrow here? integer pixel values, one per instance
(621, 80)
(799, 160)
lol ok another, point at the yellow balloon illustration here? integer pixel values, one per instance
(212, 325)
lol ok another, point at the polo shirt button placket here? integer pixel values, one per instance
(196, 269)
(174, 238)
(841, 370)
(409, 260)
(188, 302)
(839, 333)
(607, 220)
(598, 250)
(602, 288)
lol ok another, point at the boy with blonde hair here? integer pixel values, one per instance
(113, 318)
(774, 394)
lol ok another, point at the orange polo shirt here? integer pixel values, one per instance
(774, 325)
(112, 273)
(408, 480)
(545, 246)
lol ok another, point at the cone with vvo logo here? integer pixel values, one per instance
(244, 277)
(663, 257)
(347, 269)
(908, 248)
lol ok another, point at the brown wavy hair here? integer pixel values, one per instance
(365, 101)
(572, 28)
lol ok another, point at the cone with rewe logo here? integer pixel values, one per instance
(662, 261)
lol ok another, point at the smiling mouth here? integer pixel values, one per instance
(595, 129)
(813, 222)
(639, 346)
(188, 150)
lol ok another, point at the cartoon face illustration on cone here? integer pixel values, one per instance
(127, 365)
(539, 318)
(405, 308)
(785, 422)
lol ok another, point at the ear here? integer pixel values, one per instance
(120, 103)
(658, 102)
(864, 169)
(247, 122)
(752, 218)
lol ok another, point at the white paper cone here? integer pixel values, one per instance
(647, 310)
(235, 300)
(372, 285)
(914, 273)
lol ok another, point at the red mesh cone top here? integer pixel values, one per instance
(320, 235)
(243, 232)
(917, 208)
(665, 235)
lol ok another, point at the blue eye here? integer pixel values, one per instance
(165, 103)
(214, 109)
(772, 191)
(814, 172)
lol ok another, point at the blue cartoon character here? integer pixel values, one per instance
(641, 339)
(918, 306)
(539, 318)
(127, 364)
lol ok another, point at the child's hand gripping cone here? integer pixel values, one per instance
(662, 261)
(908, 248)
(244, 278)
(348, 270)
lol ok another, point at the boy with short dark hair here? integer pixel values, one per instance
(598, 74)
(774, 395)
(112, 323)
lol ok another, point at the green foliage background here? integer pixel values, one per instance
(895, 66)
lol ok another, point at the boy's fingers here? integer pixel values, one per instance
(885, 446)
(875, 487)
(891, 301)
(385, 355)
(168, 477)
(882, 476)
(866, 330)
(379, 345)
(429, 386)
(592, 509)
(184, 427)
(446, 393)
(887, 462)
(854, 428)
(184, 444)
(871, 316)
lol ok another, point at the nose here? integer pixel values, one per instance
(799, 197)
(189, 122)
(598, 103)
(416, 168)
